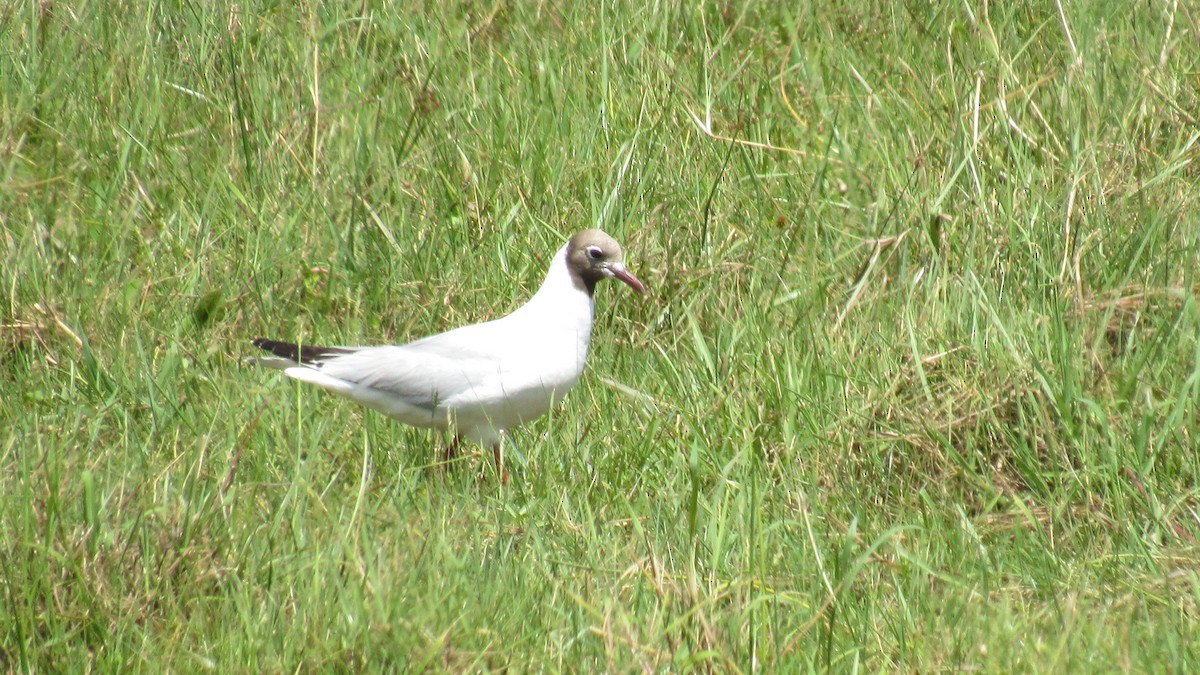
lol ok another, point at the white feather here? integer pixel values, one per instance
(481, 379)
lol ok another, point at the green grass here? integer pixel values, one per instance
(915, 386)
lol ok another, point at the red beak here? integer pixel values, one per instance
(619, 271)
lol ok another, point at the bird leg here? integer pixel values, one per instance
(451, 450)
(500, 470)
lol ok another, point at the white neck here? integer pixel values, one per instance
(561, 287)
(560, 295)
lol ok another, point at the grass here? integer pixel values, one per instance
(915, 386)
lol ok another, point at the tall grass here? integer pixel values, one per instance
(915, 386)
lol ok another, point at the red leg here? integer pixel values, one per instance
(451, 450)
(500, 470)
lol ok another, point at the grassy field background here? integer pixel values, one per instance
(914, 388)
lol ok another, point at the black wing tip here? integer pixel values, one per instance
(297, 352)
(287, 350)
(277, 347)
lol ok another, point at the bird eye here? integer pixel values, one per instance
(595, 253)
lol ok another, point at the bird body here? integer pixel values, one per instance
(483, 379)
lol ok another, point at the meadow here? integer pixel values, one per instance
(914, 388)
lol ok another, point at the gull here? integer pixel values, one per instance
(478, 381)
